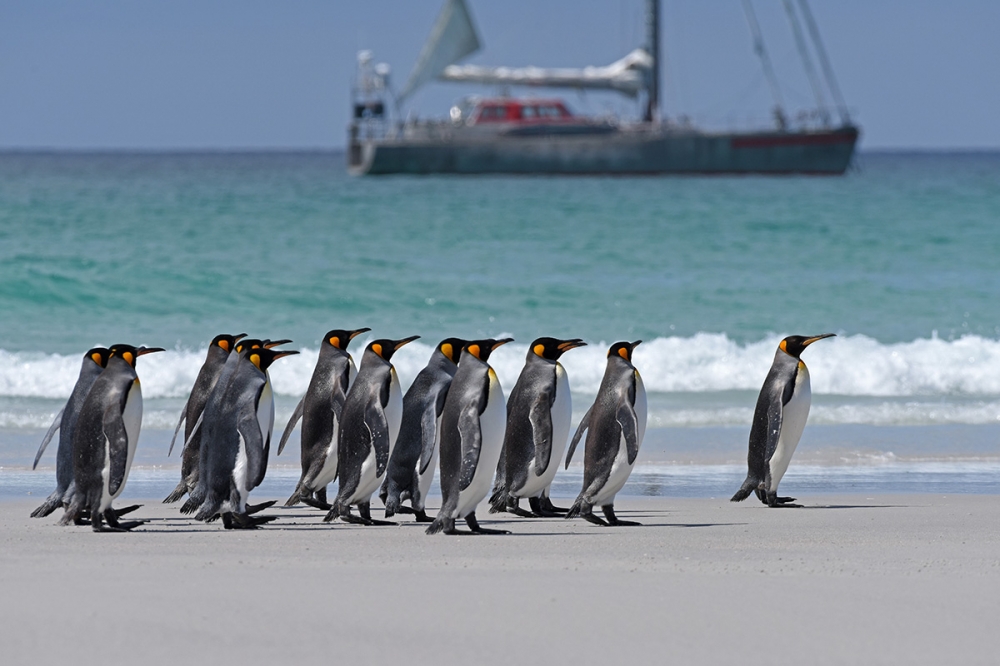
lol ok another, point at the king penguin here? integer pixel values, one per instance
(539, 410)
(414, 457)
(321, 410)
(778, 422)
(104, 440)
(615, 425)
(372, 414)
(219, 351)
(94, 362)
(472, 428)
(236, 436)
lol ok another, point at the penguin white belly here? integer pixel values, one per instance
(427, 476)
(132, 419)
(561, 415)
(370, 480)
(793, 422)
(620, 468)
(492, 423)
(329, 471)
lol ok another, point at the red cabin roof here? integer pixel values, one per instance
(520, 111)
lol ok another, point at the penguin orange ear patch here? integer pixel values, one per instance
(255, 359)
(623, 352)
(539, 350)
(783, 347)
(97, 358)
(335, 341)
(473, 349)
(448, 350)
(377, 349)
(129, 358)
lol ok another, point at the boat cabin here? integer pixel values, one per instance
(520, 111)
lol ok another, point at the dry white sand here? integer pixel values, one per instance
(850, 579)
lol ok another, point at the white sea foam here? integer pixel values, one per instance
(855, 365)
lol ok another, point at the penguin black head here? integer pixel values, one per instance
(482, 349)
(452, 348)
(263, 357)
(384, 348)
(129, 354)
(551, 349)
(227, 342)
(624, 349)
(99, 355)
(794, 345)
(340, 338)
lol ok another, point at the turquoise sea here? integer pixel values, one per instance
(899, 258)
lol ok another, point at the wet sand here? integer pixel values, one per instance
(848, 579)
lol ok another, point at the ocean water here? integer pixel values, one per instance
(899, 258)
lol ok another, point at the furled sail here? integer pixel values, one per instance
(628, 75)
(452, 38)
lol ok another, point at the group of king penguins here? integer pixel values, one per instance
(358, 428)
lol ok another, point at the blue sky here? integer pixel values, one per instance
(239, 74)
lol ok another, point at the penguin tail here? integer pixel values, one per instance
(576, 509)
(295, 498)
(439, 524)
(498, 500)
(208, 511)
(748, 487)
(176, 493)
(190, 506)
(51, 503)
(391, 506)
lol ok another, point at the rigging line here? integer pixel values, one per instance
(800, 43)
(824, 61)
(765, 61)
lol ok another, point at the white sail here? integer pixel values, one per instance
(628, 75)
(452, 38)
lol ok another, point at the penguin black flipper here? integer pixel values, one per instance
(253, 444)
(48, 437)
(428, 428)
(292, 422)
(630, 424)
(584, 424)
(114, 431)
(472, 443)
(179, 424)
(540, 418)
(764, 437)
(378, 431)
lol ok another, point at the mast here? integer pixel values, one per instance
(800, 42)
(653, 47)
(831, 81)
(765, 61)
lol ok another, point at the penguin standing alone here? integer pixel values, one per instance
(236, 436)
(321, 410)
(104, 440)
(94, 362)
(414, 457)
(778, 422)
(616, 425)
(538, 418)
(472, 429)
(219, 351)
(372, 413)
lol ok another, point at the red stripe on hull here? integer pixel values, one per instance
(794, 140)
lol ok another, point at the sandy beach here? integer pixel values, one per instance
(848, 579)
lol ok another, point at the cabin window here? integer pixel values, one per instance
(529, 111)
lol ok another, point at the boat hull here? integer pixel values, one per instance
(646, 151)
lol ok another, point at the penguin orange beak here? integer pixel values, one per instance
(636, 344)
(237, 338)
(500, 343)
(571, 344)
(282, 354)
(405, 341)
(142, 351)
(811, 340)
(358, 332)
(271, 344)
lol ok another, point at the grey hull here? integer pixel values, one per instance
(632, 151)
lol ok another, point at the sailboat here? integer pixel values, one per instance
(530, 135)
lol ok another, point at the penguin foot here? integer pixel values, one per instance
(614, 521)
(406, 509)
(539, 510)
(477, 529)
(591, 518)
(129, 509)
(97, 524)
(257, 508)
(775, 502)
(315, 503)
(547, 505)
(785, 500)
(422, 517)
(784, 506)
(244, 521)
